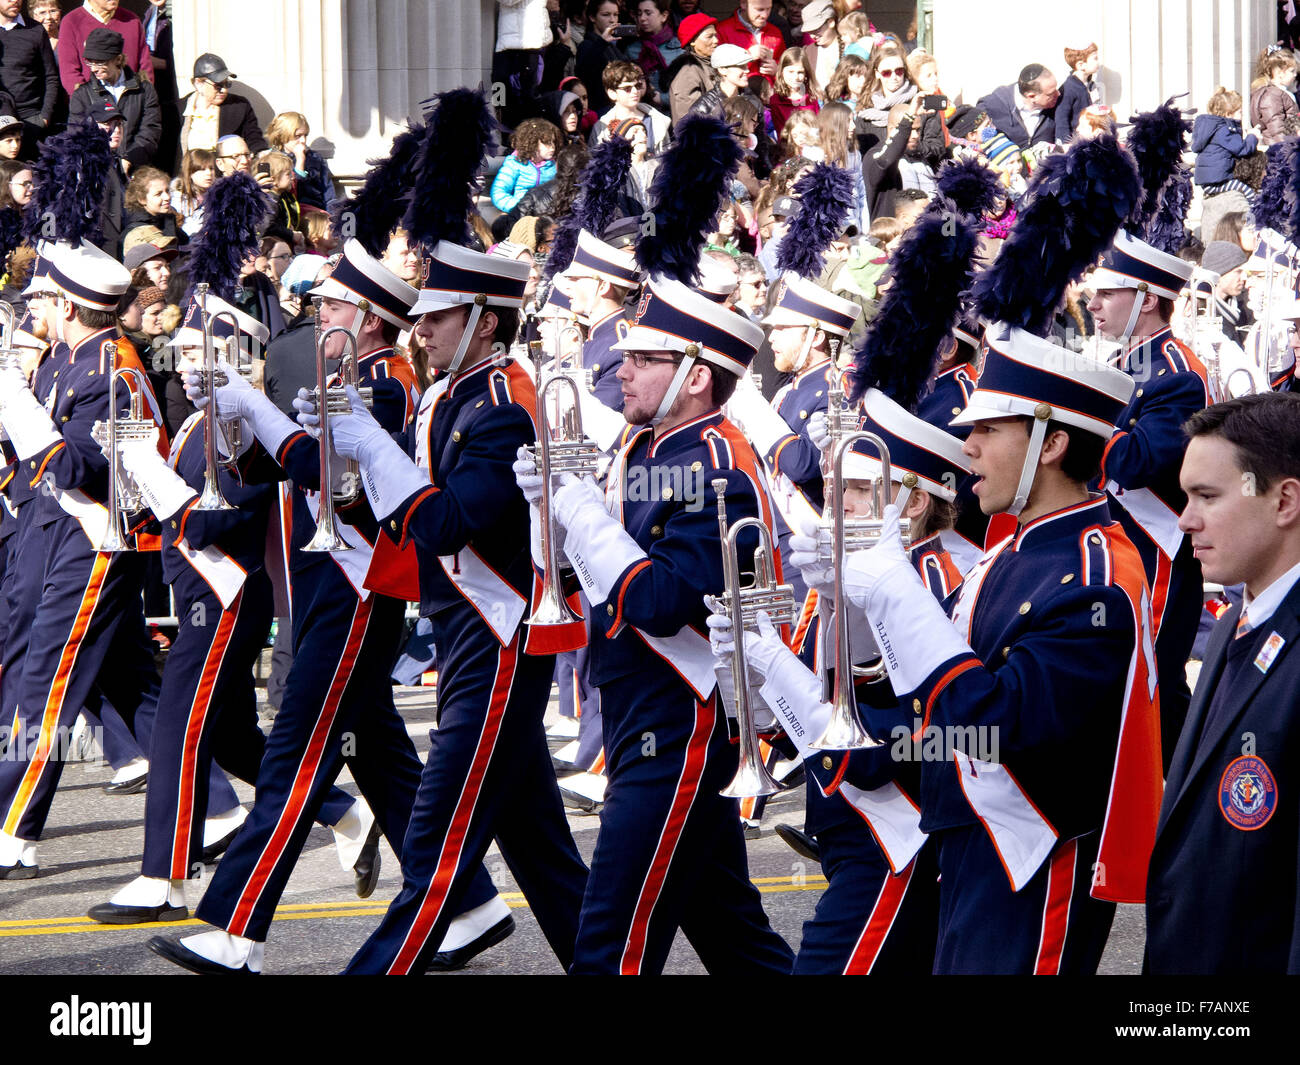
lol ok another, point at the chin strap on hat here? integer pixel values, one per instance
(1042, 415)
(475, 313)
(1139, 294)
(675, 386)
(805, 350)
(905, 492)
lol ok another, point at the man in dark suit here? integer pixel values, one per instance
(28, 71)
(1025, 113)
(1222, 884)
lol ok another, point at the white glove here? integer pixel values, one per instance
(305, 404)
(25, 420)
(238, 399)
(163, 489)
(527, 477)
(598, 547)
(387, 472)
(915, 636)
(761, 423)
(818, 573)
(863, 570)
(818, 431)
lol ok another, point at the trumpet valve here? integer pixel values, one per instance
(860, 534)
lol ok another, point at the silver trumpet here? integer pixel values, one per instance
(332, 402)
(210, 499)
(743, 605)
(231, 429)
(1250, 382)
(561, 447)
(124, 496)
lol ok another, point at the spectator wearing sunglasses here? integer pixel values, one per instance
(74, 68)
(212, 112)
(625, 83)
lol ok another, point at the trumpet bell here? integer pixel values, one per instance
(211, 499)
(844, 733)
(552, 609)
(751, 779)
(325, 539)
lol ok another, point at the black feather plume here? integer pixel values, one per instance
(458, 136)
(234, 211)
(1167, 230)
(825, 195)
(1269, 210)
(11, 232)
(374, 211)
(687, 195)
(1075, 205)
(972, 185)
(70, 178)
(1157, 140)
(597, 205)
(930, 271)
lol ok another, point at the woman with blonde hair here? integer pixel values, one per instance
(288, 133)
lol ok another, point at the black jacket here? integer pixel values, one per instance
(1000, 106)
(139, 106)
(236, 117)
(29, 73)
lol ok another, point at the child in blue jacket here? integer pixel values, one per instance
(1218, 141)
(532, 162)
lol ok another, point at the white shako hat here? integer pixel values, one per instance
(190, 334)
(933, 458)
(87, 276)
(799, 301)
(593, 257)
(362, 280)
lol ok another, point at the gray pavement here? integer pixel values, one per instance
(93, 842)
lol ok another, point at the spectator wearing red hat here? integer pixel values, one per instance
(750, 29)
(690, 75)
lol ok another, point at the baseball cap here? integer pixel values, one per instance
(816, 14)
(8, 122)
(211, 66)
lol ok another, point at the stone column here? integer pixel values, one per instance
(357, 69)
(1150, 49)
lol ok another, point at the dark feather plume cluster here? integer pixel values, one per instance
(234, 211)
(1074, 206)
(687, 194)
(825, 195)
(1270, 210)
(972, 186)
(930, 271)
(1166, 230)
(11, 232)
(70, 175)
(1157, 140)
(597, 204)
(458, 136)
(377, 207)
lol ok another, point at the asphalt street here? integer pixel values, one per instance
(93, 842)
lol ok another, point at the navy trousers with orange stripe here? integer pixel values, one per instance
(337, 706)
(1050, 926)
(488, 775)
(87, 607)
(671, 850)
(208, 711)
(868, 920)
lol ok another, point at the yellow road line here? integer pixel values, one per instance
(308, 911)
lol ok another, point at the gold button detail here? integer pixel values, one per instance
(667, 493)
(803, 414)
(819, 391)
(1132, 422)
(696, 467)
(1139, 393)
(173, 524)
(1096, 538)
(1067, 578)
(479, 403)
(1024, 607)
(827, 762)
(1006, 652)
(1160, 373)
(456, 436)
(596, 369)
(56, 375)
(33, 464)
(916, 705)
(609, 609)
(956, 410)
(393, 525)
(70, 392)
(656, 530)
(64, 418)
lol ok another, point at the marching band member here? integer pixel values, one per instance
(338, 703)
(1136, 286)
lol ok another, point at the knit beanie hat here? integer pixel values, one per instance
(1222, 256)
(997, 148)
(147, 297)
(625, 127)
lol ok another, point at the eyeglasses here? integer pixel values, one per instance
(23, 184)
(757, 282)
(237, 155)
(220, 86)
(894, 72)
(630, 86)
(641, 360)
(283, 255)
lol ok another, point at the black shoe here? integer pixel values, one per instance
(19, 872)
(213, 851)
(794, 779)
(115, 913)
(577, 801)
(128, 787)
(176, 952)
(800, 842)
(446, 961)
(564, 769)
(366, 870)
